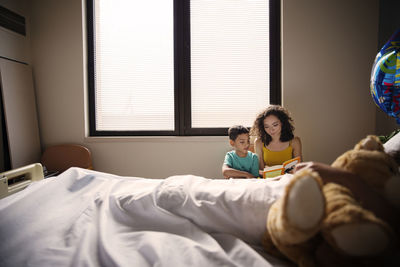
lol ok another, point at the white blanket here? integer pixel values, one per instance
(88, 218)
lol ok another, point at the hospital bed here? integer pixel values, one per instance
(88, 218)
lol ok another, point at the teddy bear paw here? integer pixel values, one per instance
(359, 240)
(392, 189)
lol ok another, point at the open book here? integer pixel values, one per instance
(277, 170)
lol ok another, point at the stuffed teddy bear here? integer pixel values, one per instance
(311, 214)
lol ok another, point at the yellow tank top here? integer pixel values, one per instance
(277, 157)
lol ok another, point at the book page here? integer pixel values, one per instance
(291, 163)
(273, 171)
(275, 167)
(276, 170)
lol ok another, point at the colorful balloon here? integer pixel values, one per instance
(385, 77)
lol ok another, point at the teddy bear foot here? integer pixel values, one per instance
(350, 228)
(359, 240)
(298, 215)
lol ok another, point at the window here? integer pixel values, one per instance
(180, 67)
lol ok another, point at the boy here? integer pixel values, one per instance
(240, 162)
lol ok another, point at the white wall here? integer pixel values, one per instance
(328, 49)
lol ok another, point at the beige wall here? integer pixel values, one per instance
(328, 49)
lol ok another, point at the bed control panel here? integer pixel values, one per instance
(3, 186)
(18, 179)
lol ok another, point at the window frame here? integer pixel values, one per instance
(182, 75)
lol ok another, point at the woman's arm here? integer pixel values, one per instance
(296, 144)
(229, 172)
(258, 148)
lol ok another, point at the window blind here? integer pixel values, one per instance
(134, 65)
(229, 61)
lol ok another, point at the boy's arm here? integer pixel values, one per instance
(255, 166)
(229, 172)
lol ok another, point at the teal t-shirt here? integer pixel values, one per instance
(247, 164)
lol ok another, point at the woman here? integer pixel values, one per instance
(275, 142)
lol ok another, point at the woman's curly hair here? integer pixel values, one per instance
(286, 121)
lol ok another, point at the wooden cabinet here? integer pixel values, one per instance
(19, 106)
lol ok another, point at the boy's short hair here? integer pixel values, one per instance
(234, 131)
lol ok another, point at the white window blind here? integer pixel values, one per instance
(134, 65)
(229, 61)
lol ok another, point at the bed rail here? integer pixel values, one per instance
(17, 179)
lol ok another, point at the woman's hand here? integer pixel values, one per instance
(324, 170)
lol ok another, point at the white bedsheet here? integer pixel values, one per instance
(88, 218)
